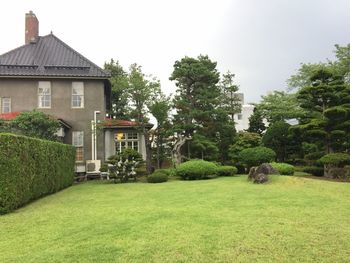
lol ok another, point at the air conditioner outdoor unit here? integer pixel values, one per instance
(93, 166)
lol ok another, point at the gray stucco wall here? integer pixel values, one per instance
(23, 94)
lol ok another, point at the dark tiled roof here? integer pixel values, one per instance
(48, 57)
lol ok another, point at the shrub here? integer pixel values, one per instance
(283, 168)
(336, 159)
(141, 171)
(256, 156)
(226, 170)
(314, 170)
(168, 171)
(127, 153)
(31, 168)
(196, 169)
(157, 177)
(104, 168)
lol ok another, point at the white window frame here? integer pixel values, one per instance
(125, 140)
(44, 96)
(78, 88)
(78, 142)
(5, 102)
(78, 138)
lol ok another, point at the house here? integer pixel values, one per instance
(48, 75)
(242, 119)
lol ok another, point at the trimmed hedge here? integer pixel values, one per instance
(283, 168)
(226, 170)
(336, 159)
(157, 177)
(31, 168)
(196, 169)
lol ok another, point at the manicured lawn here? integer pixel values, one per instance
(291, 219)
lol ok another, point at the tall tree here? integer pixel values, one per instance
(327, 102)
(256, 122)
(197, 96)
(160, 107)
(276, 138)
(142, 89)
(230, 100)
(119, 86)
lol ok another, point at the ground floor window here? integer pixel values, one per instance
(126, 140)
(78, 142)
(5, 105)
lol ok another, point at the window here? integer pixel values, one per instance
(77, 95)
(44, 94)
(239, 116)
(126, 140)
(78, 142)
(5, 105)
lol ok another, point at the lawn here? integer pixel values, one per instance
(290, 219)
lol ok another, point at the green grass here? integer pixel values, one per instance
(290, 219)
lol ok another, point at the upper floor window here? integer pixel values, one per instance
(77, 95)
(239, 116)
(5, 105)
(44, 94)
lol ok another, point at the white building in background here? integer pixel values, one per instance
(242, 119)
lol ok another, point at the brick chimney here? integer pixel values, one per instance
(32, 28)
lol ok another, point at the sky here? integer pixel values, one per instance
(262, 42)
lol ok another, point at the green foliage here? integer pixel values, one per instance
(256, 156)
(326, 101)
(127, 153)
(31, 168)
(157, 177)
(204, 148)
(229, 100)
(314, 170)
(168, 171)
(336, 159)
(226, 170)
(280, 106)
(256, 124)
(196, 169)
(243, 141)
(283, 168)
(119, 84)
(276, 138)
(104, 168)
(36, 124)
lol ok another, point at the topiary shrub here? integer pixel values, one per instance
(226, 170)
(127, 153)
(336, 159)
(157, 177)
(196, 169)
(314, 170)
(31, 168)
(256, 156)
(283, 168)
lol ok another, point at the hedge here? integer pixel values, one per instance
(226, 170)
(157, 177)
(283, 168)
(196, 169)
(31, 168)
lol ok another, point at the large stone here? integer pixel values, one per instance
(261, 178)
(264, 168)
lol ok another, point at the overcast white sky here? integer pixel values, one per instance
(262, 41)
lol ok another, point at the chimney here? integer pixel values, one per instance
(32, 28)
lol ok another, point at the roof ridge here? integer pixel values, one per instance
(77, 53)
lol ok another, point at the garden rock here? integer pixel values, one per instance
(265, 168)
(337, 173)
(261, 178)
